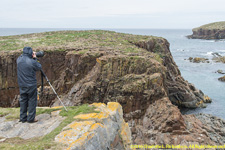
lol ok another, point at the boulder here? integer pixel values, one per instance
(220, 71)
(46, 123)
(222, 79)
(103, 130)
(198, 60)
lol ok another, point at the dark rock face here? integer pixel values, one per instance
(220, 71)
(102, 75)
(222, 79)
(207, 34)
(8, 78)
(180, 92)
(9, 89)
(163, 124)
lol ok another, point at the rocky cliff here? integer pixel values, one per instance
(102, 66)
(209, 31)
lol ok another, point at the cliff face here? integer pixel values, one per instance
(209, 31)
(136, 71)
(106, 74)
(207, 34)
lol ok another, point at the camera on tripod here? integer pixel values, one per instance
(40, 54)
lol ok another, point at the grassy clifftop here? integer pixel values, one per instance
(76, 39)
(211, 26)
(82, 42)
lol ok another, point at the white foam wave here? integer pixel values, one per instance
(208, 41)
(209, 53)
(180, 50)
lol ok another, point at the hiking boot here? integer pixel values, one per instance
(23, 121)
(33, 121)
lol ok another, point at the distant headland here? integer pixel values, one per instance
(209, 31)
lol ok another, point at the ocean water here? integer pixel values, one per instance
(202, 75)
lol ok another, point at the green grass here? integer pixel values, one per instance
(13, 113)
(130, 50)
(158, 57)
(10, 113)
(135, 57)
(47, 142)
(211, 26)
(83, 40)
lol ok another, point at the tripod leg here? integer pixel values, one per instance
(53, 89)
(57, 96)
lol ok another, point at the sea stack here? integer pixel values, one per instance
(209, 31)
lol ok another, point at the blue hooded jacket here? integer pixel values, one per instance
(26, 68)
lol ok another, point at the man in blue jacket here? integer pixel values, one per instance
(27, 66)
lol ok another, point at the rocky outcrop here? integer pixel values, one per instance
(180, 92)
(220, 71)
(163, 124)
(46, 123)
(222, 79)
(219, 59)
(103, 130)
(209, 31)
(103, 74)
(198, 60)
(213, 126)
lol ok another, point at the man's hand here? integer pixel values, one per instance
(34, 55)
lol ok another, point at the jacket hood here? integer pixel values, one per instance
(28, 51)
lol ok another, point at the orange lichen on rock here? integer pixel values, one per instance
(199, 103)
(56, 107)
(99, 61)
(99, 104)
(125, 134)
(100, 115)
(114, 106)
(85, 116)
(97, 130)
(207, 99)
(80, 125)
(81, 140)
(96, 125)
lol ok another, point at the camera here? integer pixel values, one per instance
(40, 54)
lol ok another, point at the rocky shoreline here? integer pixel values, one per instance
(137, 71)
(217, 58)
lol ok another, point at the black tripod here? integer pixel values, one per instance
(43, 75)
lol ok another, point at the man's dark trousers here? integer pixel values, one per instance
(28, 100)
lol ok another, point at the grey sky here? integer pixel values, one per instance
(110, 13)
